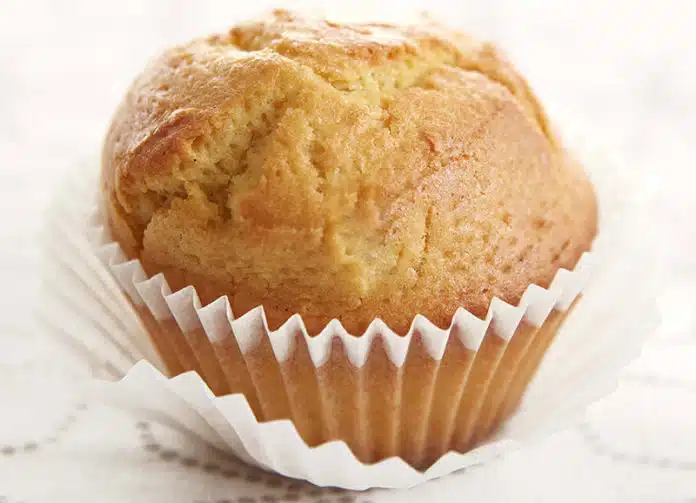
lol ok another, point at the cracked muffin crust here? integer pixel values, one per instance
(343, 171)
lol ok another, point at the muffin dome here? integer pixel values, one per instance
(343, 171)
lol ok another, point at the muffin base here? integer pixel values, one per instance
(418, 410)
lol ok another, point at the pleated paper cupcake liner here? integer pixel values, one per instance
(282, 400)
(382, 393)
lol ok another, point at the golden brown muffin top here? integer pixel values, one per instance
(346, 171)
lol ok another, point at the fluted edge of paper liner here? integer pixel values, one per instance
(276, 444)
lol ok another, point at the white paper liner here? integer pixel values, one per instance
(582, 366)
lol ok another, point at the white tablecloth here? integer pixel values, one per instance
(621, 72)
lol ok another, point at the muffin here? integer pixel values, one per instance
(350, 172)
